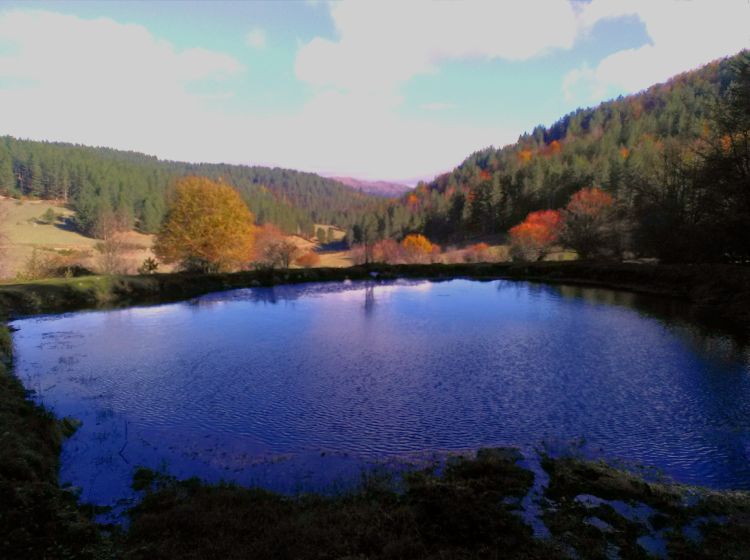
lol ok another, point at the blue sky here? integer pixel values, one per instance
(379, 90)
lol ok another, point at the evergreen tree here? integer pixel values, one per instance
(7, 177)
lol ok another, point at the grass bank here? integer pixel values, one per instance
(475, 507)
(467, 511)
(471, 509)
(38, 518)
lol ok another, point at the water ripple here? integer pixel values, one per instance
(219, 386)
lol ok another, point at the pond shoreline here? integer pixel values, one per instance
(720, 290)
(46, 520)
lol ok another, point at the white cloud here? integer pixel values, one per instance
(352, 135)
(99, 82)
(383, 44)
(256, 38)
(102, 82)
(380, 46)
(683, 35)
(577, 79)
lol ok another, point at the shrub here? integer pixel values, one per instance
(41, 264)
(533, 238)
(273, 249)
(149, 266)
(418, 249)
(49, 217)
(479, 252)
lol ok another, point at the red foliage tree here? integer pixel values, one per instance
(273, 249)
(589, 223)
(590, 202)
(532, 239)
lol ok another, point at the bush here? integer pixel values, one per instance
(418, 249)
(273, 249)
(479, 252)
(149, 266)
(49, 217)
(41, 265)
(533, 238)
(111, 255)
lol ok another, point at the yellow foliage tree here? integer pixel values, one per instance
(416, 243)
(417, 247)
(208, 227)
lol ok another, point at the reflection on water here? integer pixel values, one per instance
(294, 387)
(707, 333)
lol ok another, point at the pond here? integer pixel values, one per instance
(296, 387)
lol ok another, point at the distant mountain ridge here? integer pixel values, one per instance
(385, 189)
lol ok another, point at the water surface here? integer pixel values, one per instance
(291, 387)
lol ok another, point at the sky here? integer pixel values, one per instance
(391, 90)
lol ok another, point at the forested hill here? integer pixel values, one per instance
(95, 180)
(620, 145)
(649, 151)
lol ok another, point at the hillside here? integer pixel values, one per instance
(92, 180)
(650, 151)
(632, 147)
(378, 188)
(29, 235)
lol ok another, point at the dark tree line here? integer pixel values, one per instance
(696, 207)
(97, 182)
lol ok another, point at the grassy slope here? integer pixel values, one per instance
(25, 233)
(464, 513)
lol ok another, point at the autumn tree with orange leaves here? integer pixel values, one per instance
(418, 249)
(589, 223)
(208, 227)
(273, 249)
(532, 239)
